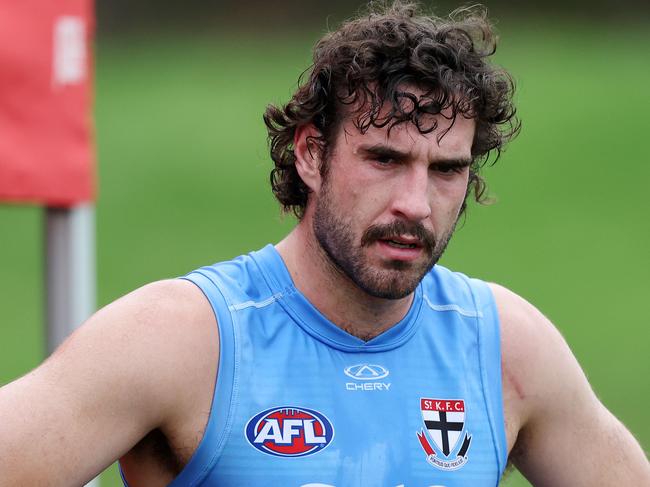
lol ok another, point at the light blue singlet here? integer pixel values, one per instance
(299, 402)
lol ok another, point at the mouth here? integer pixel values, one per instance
(400, 244)
(400, 241)
(401, 248)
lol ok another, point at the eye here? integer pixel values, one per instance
(384, 160)
(448, 168)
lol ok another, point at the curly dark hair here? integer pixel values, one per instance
(369, 61)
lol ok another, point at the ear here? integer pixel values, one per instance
(308, 156)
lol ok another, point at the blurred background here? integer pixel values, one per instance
(183, 169)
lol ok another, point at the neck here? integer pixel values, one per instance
(334, 294)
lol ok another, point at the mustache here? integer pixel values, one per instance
(399, 227)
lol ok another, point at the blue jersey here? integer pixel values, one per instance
(301, 403)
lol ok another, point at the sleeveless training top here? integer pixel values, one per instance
(301, 403)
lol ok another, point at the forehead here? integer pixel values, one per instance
(452, 138)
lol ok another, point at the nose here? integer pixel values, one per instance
(412, 195)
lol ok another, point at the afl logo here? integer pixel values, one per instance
(366, 372)
(289, 431)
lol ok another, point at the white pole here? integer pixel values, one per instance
(70, 273)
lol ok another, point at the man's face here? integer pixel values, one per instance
(389, 202)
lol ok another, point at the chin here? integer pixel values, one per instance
(390, 284)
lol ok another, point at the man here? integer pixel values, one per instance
(343, 355)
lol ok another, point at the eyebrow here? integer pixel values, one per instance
(382, 150)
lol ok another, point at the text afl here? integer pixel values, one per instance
(289, 431)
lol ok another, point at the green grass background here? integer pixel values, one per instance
(184, 170)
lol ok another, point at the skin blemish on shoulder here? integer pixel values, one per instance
(513, 382)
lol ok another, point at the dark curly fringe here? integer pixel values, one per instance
(369, 61)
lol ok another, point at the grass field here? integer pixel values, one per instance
(184, 170)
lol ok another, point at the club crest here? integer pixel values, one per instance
(445, 442)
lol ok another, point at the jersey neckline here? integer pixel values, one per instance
(312, 321)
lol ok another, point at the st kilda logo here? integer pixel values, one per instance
(444, 423)
(289, 431)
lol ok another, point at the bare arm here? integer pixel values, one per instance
(122, 374)
(565, 436)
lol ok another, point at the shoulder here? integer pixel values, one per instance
(122, 374)
(166, 304)
(148, 343)
(557, 428)
(167, 313)
(144, 345)
(523, 328)
(542, 379)
(532, 347)
(164, 330)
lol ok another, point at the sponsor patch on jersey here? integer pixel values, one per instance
(444, 439)
(289, 431)
(367, 377)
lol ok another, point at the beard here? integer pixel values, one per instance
(393, 279)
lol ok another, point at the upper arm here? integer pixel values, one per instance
(122, 374)
(565, 436)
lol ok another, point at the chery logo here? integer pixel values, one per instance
(369, 376)
(366, 372)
